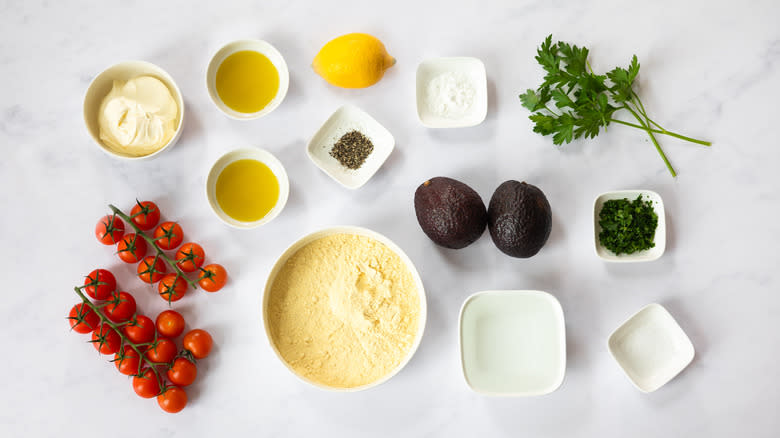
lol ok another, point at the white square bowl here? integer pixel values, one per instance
(345, 119)
(651, 348)
(660, 232)
(512, 343)
(473, 69)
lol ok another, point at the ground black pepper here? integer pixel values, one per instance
(352, 149)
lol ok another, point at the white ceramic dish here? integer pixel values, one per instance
(473, 69)
(651, 348)
(258, 46)
(292, 249)
(660, 232)
(512, 342)
(101, 86)
(346, 119)
(255, 154)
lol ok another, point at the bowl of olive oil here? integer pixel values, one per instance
(247, 79)
(247, 187)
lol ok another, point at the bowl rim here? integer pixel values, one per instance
(641, 256)
(355, 230)
(160, 74)
(454, 123)
(264, 157)
(257, 45)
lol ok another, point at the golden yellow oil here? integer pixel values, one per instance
(247, 190)
(247, 81)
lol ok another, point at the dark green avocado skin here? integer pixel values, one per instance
(519, 219)
(450, 213)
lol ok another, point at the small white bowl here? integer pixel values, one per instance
(101, 86)
(257, 46)
(346, 119)
(660, 232)
(264, 157)
(512, 343)
(651, 348)
(292, 249)
(473, 69)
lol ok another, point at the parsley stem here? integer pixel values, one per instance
(652, 137)
(664, 132)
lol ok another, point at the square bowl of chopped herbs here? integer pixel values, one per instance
(629, 226)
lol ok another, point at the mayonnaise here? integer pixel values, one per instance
(138, 117)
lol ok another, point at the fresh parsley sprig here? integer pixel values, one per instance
(574, 102)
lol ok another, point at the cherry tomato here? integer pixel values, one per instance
(172, 287)
(127, 361)
(212, 277)
(99, 284)
(109, 230)
(162, 350)
(151, 270)
(83, 319)
(182, 372)
(146, 385)
(140, 330)
(132, 248)
(168, 235)
(120, 307)
(172, 400)
(190, 257)
(145, 214)
(105, 339)
(198, 342)
(170, 323)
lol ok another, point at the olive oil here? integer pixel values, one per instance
(247, 190)
(247, 81)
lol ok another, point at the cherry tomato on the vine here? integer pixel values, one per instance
(212, 277)
(139, 330)
(172, 287)
(151, 270)
(198, 342)
(172, 400)
(145, 215)
(132, 248)
(146, 385)
(84, 320)
(99, 284)
(168, 235)
(105, 339)
(190, 257)
(127, 361)
(163, 350)
(183, 372)
(170, 323)
(120, 306)
(109, 230)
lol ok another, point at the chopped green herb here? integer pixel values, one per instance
(627, 226)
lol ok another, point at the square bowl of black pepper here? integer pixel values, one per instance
(629, 226)
(350, 146)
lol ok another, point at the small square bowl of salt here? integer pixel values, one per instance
(451, 92)
(350, 146)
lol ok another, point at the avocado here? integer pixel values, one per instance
(519, 219)
(449, 212)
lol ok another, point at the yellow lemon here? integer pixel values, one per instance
(354, 60)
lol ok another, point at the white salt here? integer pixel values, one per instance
(450, 95)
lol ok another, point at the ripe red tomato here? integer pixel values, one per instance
(83, 319)
(131, 248)
(182, 372)
(146, 385)
(109, 230)
(190, 257)
(139, 330)
(170, 323)
(172, 287)
(105, 339)
(172, 400)
(161, 351)
(168, 235)
(145, 214)
(198, 342)
(212, 277)
(120, 307)
(127, 361)
(151, 269)
(99, 284)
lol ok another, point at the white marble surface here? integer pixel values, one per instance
(709, 69)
